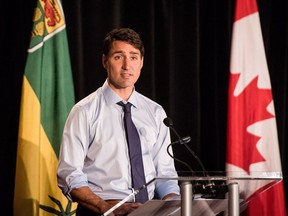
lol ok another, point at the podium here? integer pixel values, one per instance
(217, 190)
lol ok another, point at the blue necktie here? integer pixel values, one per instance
(135, 154)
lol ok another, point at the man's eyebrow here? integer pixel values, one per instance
(117, 51)
(134, 53)
(122, 52)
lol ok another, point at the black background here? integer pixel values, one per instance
(186, 67)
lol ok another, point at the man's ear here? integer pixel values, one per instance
(142, 62)
(104, 61)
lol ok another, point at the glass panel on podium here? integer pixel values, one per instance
(209, 193)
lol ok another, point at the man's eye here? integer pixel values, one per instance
(117, 57)
(134, 58)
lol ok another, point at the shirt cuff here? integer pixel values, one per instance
(165, 187)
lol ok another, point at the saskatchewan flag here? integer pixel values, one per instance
(47, 97)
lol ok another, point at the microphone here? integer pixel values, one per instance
(127, 198)
(208, 189)
(169, 123)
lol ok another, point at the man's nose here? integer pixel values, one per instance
(126, 63)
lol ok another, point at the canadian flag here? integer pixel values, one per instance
(252, 142)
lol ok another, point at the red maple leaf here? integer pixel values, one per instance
(244, 110)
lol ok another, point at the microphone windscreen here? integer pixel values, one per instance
(168, 122)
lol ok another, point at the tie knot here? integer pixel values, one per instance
(126, 107)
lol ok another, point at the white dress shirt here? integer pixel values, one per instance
(94, 149)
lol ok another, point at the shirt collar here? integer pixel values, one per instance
(112, 98)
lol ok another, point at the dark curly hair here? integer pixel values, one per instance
(123, 34)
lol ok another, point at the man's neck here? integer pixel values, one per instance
(124, 93)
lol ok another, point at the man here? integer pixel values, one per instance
(94, 165)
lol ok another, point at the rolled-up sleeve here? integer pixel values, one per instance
(72, 152)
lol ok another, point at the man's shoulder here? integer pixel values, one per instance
(90, 99)
(148, 104)
(144, 99)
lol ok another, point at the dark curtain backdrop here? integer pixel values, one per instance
(186, 67)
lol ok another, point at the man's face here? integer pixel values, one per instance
(123, 65)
